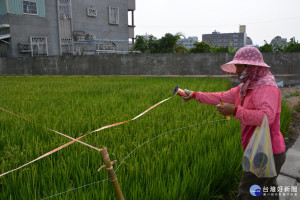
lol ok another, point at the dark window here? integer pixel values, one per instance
(29, 7)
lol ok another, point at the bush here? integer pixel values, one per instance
(200, 47)
(293, 46)
(266, 47)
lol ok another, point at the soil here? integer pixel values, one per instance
(293, 102)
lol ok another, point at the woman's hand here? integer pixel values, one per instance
(226, 109)
(189, 96)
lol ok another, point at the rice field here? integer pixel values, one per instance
(198, 162)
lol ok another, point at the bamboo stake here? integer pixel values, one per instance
(111, 174)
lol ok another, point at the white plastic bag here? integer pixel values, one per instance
(258, 157)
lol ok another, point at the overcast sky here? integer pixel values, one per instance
(264, 19)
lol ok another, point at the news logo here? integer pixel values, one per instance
(255, 190)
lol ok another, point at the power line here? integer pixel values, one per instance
(222, 25)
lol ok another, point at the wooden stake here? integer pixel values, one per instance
(111, 174)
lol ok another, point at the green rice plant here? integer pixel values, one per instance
(199, 162)
(285, 119)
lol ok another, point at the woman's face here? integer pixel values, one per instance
(239, 68)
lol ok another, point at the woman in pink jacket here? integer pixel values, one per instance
(256, 96)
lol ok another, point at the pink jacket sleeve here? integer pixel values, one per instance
(266, 101)
(214, 98)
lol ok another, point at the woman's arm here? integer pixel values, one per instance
(214, 98)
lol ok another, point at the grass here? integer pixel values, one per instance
(295, 94)
(285, 119)
(201, 162)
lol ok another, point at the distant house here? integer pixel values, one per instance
(64, 27)
(237, 40)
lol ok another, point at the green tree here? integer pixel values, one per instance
(278, 48)
(266, 47)
(153, 45)
(140, 44)
(232, 49)
(200, 47)
(168, 43)
(217, 49)
(293, 46)
(181, 49)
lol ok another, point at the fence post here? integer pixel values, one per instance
(111, 174)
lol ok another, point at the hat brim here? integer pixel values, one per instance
(230, 66)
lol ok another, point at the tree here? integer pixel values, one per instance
(153, 45)
(181, 49)
(232, 49)
(266, 47)
(278, 48)
(200, 47)
(140, 44)
(293, 46)
(168, 43)
(216, 49)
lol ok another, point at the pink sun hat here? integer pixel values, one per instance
(247, 56)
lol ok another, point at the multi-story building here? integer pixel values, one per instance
(64, 27)
(237, 40)
(187, 42)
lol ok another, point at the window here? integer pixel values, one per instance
(29, 7)
(113, 15)
(39, 46)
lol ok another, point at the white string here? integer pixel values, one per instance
(162, 135)
(75, 188)
(126, 157)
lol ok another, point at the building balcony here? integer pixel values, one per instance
(131, 5)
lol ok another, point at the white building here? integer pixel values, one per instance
(279, 41)
(187, 42)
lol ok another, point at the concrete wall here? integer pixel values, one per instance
(140, 64)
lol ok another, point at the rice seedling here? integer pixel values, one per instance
(199, 162)
(285, 118)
